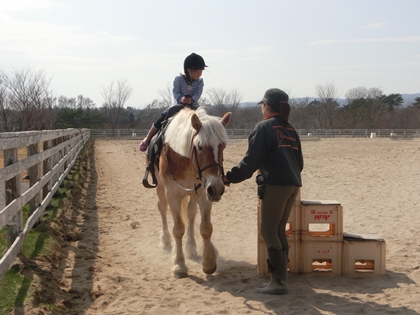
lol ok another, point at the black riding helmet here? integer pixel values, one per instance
(195, 62)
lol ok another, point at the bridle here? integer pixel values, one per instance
(199, 169)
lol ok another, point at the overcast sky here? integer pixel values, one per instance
(249, 46)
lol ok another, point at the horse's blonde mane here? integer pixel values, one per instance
(179, 132)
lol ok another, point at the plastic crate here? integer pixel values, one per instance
(295, 252)
(293, 264)
(293, 226)
(322, 257)
(294, 222)
(364, 255)
(321, 220)
(298, 197)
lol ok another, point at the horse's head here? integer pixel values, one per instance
(194, 155)
(208, 144)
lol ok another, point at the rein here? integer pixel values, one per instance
(199, 170)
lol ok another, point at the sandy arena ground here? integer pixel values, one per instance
(118, 261)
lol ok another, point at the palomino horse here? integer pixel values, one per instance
(190, 174)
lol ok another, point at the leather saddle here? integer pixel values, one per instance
(155, 147)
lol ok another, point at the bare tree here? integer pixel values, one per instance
(247, 116)
(370, 104)
(327, 95)
(147, 116)
(356, 93)
(167, 96)
(374, 107)
(66, 102)
(115, 96)
(6, 112)
(299, 114)
(203, 101)
(30, 97)
(84, 102)
(414, 113)
(223, 101)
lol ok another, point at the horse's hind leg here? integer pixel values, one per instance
(191, 246)
(165, 236)
(206, 230)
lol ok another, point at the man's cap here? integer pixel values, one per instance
(274, 97)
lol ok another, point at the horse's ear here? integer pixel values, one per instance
(226, 119)
(196, 123)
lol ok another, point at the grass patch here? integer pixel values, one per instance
(18, 285)
(10, 285)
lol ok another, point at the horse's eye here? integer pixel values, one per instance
(200, 148)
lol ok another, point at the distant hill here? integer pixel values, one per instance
(408, 99)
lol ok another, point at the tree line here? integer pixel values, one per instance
(27, 103)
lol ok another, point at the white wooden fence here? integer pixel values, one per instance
(50, 156)
(138, 134)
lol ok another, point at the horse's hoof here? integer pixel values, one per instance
(181, 275)
(180, 271)
(210, 271)
(167, 249)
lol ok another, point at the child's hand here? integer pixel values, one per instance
(186, 100)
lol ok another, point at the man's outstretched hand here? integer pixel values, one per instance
(226, 181)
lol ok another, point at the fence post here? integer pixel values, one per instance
(54, 161)
(46, 167)
(66, 150)
(60, 156)
(13, 190)
(34, 174)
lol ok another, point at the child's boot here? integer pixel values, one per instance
(146, 141)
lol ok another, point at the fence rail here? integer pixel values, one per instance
(244, 133)
(47, 161)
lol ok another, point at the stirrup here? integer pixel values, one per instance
(146, 176)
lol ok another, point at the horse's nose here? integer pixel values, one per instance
(213, 194)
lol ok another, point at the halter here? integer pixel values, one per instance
(199, 169)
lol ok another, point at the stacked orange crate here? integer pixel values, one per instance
(364, 255)
(322, 237)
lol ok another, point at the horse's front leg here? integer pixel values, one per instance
(206, 230)
(191, 246)
(179, 269)
(165, 236)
